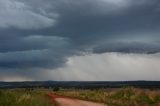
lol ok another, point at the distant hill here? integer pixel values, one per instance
(81, 84)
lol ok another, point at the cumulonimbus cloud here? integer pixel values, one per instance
(36, 36)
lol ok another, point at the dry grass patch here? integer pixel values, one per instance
(127, 96)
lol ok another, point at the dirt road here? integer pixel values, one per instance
(65, 101)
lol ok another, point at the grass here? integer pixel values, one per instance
(24, 97)
(127, 96)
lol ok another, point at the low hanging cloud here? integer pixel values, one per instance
(34, 51)
(129, 47)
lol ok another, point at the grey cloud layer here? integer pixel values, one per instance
(34, 51)
(42, 34)
(19, 15)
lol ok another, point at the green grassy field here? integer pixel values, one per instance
(117, 97)
(25, 97)
(128, 96)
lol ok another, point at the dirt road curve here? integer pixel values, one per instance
(64, 101)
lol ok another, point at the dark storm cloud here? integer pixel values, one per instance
(130, 47)
(91, 21)
(44, 33)
(34, 51)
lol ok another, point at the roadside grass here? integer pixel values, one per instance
(24, 97)
(127, 96)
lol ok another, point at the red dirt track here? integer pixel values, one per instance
(66, 101)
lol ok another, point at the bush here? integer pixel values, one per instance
(56, 89)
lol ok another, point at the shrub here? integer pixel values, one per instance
(56, 89)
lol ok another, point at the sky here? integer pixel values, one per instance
(79, 40)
